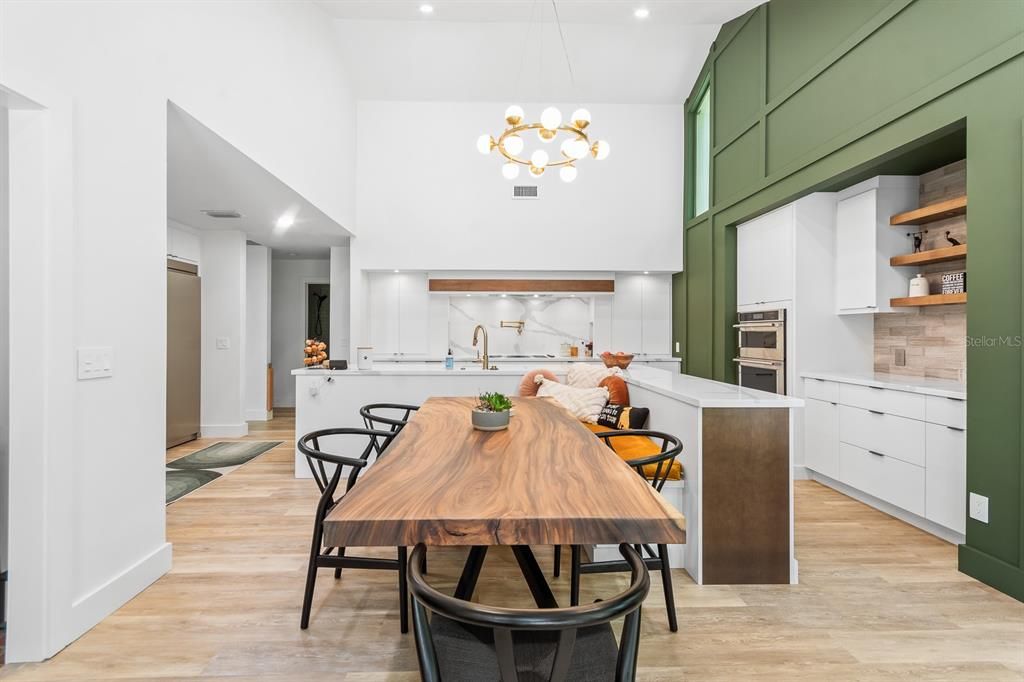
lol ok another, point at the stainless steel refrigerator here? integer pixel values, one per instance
(183, 352)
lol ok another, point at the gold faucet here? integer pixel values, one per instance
(485, 361)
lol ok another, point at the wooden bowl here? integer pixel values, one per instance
(620, 361)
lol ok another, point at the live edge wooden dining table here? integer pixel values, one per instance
(546, 480)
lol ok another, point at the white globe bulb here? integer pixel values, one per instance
(567, 148)
(551, 118)
(539, 158)
(580, 148)
(514, 113)
(567, 173)
(603, 150)
(510, 171)
(483, 144)
(513, 144)
(580, 118)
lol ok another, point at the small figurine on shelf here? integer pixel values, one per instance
(918, 239)
(952, 240)
(316, 353)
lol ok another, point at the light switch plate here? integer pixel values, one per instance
(95, 362)
(899, 357)
(677, 346)
(979, 507)
(223, 343)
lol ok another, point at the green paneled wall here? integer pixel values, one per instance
(807, 94)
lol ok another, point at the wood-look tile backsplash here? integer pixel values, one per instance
(933, 337)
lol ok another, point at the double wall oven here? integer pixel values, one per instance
(762, 345)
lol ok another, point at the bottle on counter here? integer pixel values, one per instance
(449, 360)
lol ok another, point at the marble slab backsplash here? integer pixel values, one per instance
(934, 338)
(549, 322)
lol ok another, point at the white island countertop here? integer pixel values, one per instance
(938, 387)
(682, 387)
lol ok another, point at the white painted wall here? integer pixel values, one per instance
(288, 319)
(5, 347)
(257, 331)
(222, 412)
(120, 63)
(430, 201)
(183, 242)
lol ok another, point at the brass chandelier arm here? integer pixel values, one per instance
(500, 144)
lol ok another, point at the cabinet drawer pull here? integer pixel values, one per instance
(876, 454)
(832, 403)
(955, 428)
(877, 388)
(955, 400)
(876, 412)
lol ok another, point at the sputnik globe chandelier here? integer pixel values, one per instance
(575, 143)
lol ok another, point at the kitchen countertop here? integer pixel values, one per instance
(684, 388)
(531, 359)
(938, 387)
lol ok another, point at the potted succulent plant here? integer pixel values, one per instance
(492, 412)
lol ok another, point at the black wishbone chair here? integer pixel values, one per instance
(654, 469)
(468, 642)
(385, 417)
(327, 471)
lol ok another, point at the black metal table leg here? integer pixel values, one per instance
(531, 570)
(471, 572)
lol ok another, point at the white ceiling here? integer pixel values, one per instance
(493, 51)
(204, 171)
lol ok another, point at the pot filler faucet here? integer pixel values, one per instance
(485, 361)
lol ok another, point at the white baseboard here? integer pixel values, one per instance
(224, 430)
(800, 472)
(259, 415)
(924, 524)
(93, 607)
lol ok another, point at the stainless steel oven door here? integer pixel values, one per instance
(763, 375)
(762, 340)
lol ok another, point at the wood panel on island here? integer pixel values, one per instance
(578, 286)
(942, 210)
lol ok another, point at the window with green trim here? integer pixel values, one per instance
(702, 153)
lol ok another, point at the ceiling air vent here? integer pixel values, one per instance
(525, 192)
(221, 213)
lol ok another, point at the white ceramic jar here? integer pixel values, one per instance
(919, 286)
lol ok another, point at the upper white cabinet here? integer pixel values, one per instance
(642, 314)
(764, 258)
(399, 313)
(865, 282)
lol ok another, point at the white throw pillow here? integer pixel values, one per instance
(586, 375)
(584, 403)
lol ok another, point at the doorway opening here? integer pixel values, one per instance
(318, 312)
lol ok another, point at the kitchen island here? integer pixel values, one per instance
(737, 492)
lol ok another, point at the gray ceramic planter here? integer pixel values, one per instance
(490, 421)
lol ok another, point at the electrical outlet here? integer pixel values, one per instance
(677, 346)
(899, 357)
(95, 363)
(979, 507)
(223, 343)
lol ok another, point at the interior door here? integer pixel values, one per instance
(183, 353)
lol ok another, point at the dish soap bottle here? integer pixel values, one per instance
(449, 360)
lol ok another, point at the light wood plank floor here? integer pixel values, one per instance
(878, 599)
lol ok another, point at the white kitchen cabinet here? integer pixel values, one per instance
(399, 313)
(764, 258)
(656, 325)
(946, 477)
(865, 282)
(821, 436)
(627, 314)
(904, 448)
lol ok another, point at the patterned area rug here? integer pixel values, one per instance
(187, 474)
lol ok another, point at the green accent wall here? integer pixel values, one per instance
(809, 95)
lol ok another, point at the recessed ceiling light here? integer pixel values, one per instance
(396, 270)
(647, 272)
(641, 13)
(285, 221)
(426, 9)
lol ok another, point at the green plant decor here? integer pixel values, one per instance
(494, 402)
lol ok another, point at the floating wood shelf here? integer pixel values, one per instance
(942, 255)
(929, 214)
(934, 299)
